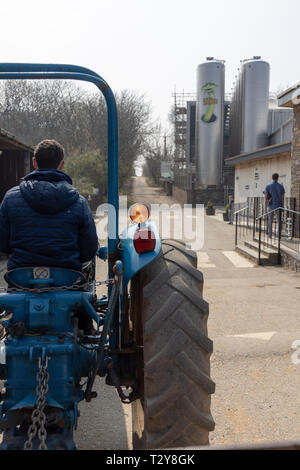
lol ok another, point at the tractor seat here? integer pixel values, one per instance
(43, 277)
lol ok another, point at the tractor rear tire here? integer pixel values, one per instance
(173, 368)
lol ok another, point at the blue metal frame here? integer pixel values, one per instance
(50, 313)
(49, 333)
(19, 71)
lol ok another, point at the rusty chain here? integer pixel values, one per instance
(40, 290)
(38, 417)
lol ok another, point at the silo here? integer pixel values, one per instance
(255, 104)
(232, 121)
(210, 122)
(241, 109)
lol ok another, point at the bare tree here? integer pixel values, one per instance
(61, 110)
(154, 154)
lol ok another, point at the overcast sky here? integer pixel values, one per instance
(152, 45)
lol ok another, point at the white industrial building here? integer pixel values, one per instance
(233, 143)
(260, 134)
(253, 171)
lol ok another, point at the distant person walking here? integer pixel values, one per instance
(231, 209)
(274, 194)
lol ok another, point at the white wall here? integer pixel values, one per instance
(257, 174)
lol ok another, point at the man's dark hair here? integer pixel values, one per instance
(275, 176)
(48, 154)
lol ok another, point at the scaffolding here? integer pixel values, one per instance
(184, 165)
(180, 126)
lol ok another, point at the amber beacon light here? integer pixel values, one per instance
(139, 213)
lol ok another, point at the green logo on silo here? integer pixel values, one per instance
(210, 101)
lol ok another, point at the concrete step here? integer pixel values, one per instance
(268, 244)
(271, 252)
(266, 249)
(253, 255)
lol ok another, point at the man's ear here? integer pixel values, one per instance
(34, 163)
(61, 165)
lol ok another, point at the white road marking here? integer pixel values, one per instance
(204, 261)
(266, 336)
(219, 217)
(237, 260)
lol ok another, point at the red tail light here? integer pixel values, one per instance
(144, 241)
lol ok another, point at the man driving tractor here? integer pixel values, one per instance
(45, 221)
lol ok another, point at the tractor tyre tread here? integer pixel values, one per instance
(177, 385)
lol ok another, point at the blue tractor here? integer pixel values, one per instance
(151, 328)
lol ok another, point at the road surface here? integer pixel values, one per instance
(254, 321)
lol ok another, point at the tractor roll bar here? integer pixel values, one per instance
(19, 71)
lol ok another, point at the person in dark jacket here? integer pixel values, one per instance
(274, 195)
(45, 221)
(231, 209)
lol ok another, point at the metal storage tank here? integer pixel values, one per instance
(240, 107)
(249, 116)
(255, 104)
(190, 132)
(210, 122)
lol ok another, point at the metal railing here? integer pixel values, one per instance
(244, 222)
(275, 228)
(279, 228)
(269, 231)
(246, 218)
(183, 178)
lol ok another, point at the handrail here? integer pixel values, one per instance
(261, 228)
(277, 208)
(235, 214)
(290, 210)
(241, 210)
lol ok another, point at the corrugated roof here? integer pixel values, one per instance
(290, 97)
(260, 153)
(9, 141)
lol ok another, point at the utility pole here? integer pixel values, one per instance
(165, 147)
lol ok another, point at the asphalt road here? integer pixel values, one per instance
(254, 320)
(105, 423)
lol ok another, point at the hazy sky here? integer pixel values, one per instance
(151, 46)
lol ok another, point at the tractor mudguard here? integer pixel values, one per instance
(132, 261)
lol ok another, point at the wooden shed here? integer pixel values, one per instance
(15, 161)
